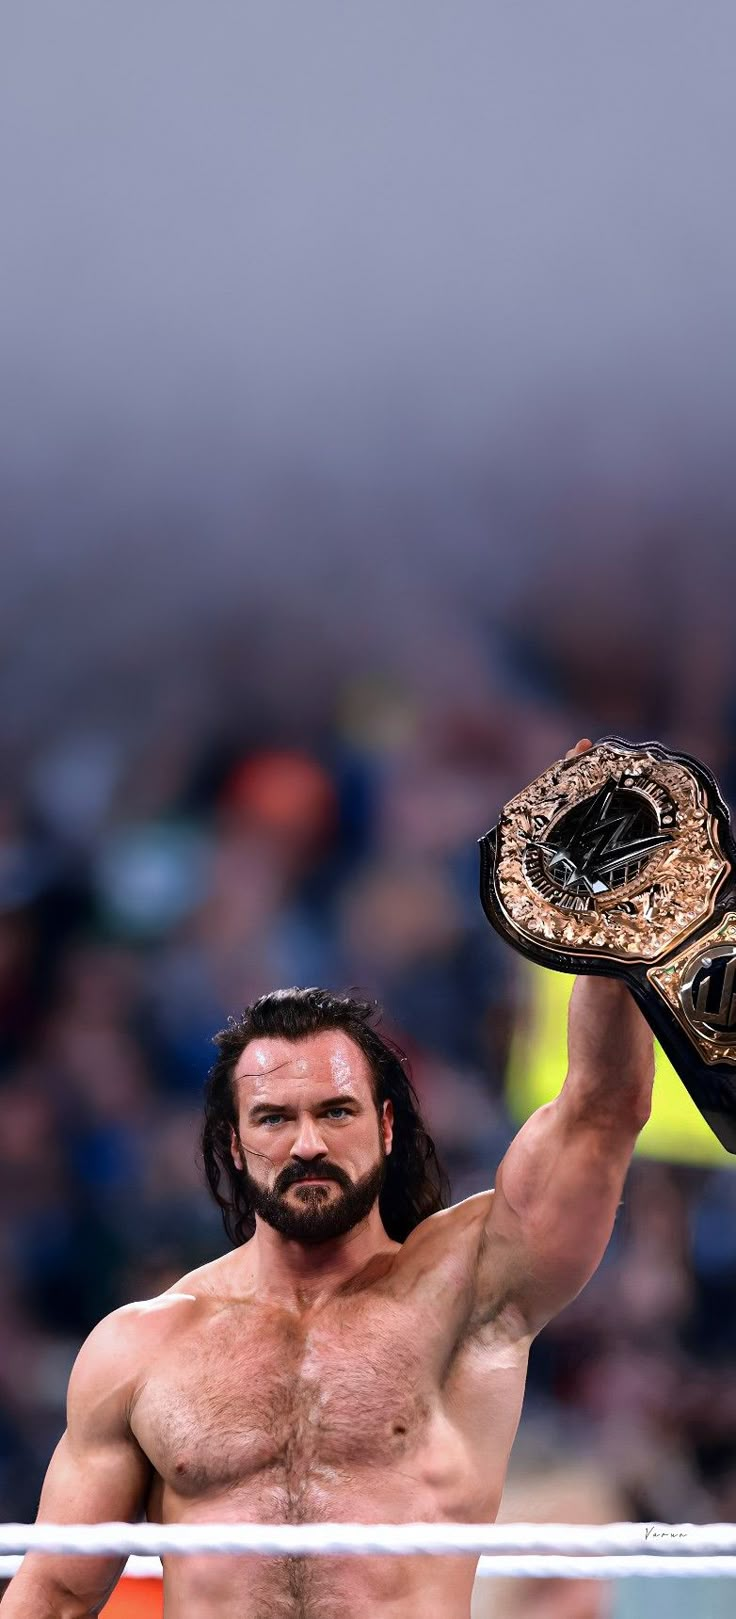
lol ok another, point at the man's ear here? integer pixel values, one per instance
(235, 1152)
(387, 1124)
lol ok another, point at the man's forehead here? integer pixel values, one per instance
(330, 1058)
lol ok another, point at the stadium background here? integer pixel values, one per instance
(367, 437)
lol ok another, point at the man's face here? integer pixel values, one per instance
(309, 1143)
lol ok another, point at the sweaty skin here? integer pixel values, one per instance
(350, 1379)
(383, 1403)
(387, 1400)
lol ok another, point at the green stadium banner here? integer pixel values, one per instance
(537, 1065)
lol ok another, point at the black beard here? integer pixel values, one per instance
(315, 1214)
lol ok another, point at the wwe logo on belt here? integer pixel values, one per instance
(708, 995)
(601, 843)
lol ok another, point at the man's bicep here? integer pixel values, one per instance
(95, 1480)
(556, 1195)
(98, 1473)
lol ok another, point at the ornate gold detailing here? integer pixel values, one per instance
(655, 892)
(698, 986)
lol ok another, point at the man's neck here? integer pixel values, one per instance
(302, 1274)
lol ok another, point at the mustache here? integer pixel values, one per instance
(302, 1172)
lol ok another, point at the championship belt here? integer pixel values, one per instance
(620, 861)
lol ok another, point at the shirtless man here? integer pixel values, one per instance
(326, 1369)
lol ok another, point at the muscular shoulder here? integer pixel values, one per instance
(113, 1359)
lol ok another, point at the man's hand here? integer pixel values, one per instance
(610, 1044)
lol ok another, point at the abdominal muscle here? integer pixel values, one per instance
(323, 1587)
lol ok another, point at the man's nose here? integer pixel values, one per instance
(308, 1142)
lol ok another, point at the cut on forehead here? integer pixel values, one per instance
(329, 1056)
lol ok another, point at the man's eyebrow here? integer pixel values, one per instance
(284, 1107)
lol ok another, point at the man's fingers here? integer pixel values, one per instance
(580, 747)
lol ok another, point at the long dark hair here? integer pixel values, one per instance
(416, 1184)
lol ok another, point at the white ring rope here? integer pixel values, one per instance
(563, 1568)
(549, 1551)
(305, 1539)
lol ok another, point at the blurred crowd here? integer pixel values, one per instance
(155, 878)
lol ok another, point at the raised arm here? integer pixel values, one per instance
(97, 1473)
(560, 1182)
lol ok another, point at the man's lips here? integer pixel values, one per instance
(313, 1180)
